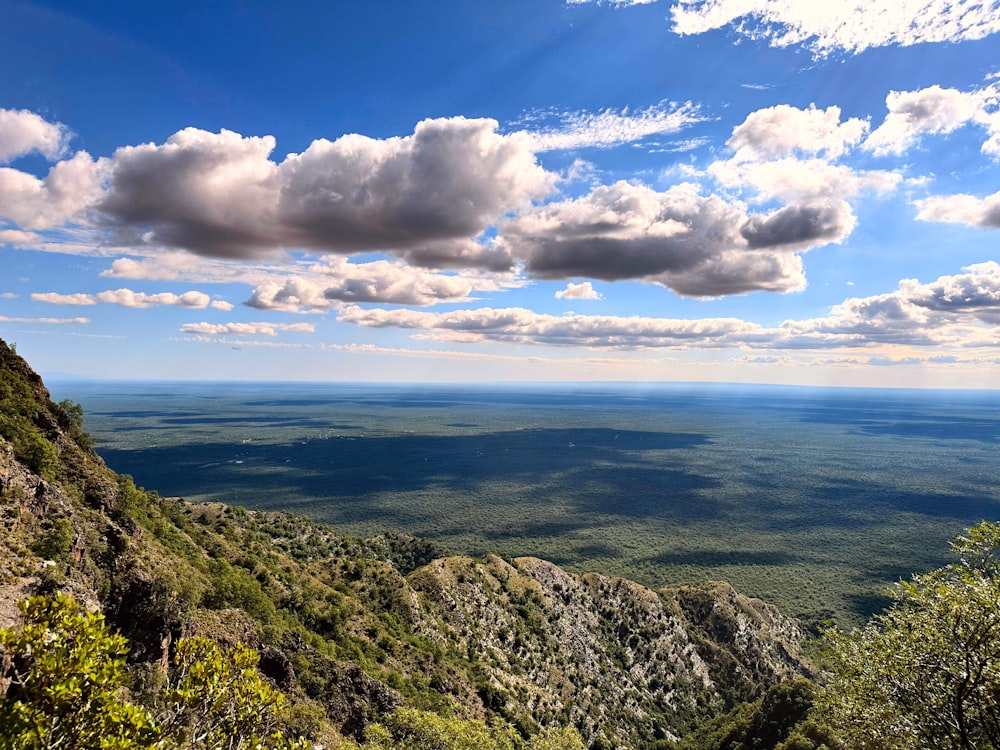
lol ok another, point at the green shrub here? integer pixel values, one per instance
(66, 669)
(66, 672)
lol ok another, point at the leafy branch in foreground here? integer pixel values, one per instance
(926, 673)
(60, 677)
(61, 686)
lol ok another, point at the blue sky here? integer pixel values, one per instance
(692, 190)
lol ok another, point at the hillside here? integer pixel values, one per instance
(352, 628)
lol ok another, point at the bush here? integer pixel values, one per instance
(64, 670)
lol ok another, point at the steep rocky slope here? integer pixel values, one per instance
(352, 628)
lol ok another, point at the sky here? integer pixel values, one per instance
(754, 191)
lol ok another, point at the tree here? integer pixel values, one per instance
(63, 672)
(74, 416)
(926, 673)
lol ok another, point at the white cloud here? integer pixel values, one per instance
(849, 25)
(337, 280)
(23, 132)
(519, 325)
(246, 329)
(783, 130)
(611, 128)
(70, 187)
(46, 321)
(961, 311)
(677, 147)
(584, 290)
(933, 110)
(54, 298)
(787, 154)
(802, 179)
(179, 265)
(199, 191)
(8, 295)
(615, 3)
(961, 209)
(219, 194)
(128, 298)
(18, 238)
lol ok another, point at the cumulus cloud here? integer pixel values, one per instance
(246, 329)
(219, 194)
(463, 254)
(783, 130)
(975, 293)
(694, 244)
(799, 227)
(338, 280)
(70, 187)
(933, 110)
(787, 154)
(961, 209)
(584, 290)
(962, 310)
(127, 298)
(204, 192)
(609, 127)
(849, 25)
(804, 180)
(23, 132)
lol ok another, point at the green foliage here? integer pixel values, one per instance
(410, 729)
(19, 407)
(926, 674)
(234, 587)
(73, 412)
(74, 416)
(65, 670)
(217, 700)
(30, 445)
(777, 721)
(56, 541)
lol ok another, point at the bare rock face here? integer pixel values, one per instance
(588, 650)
